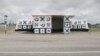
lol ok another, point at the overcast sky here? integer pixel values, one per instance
(23, 9)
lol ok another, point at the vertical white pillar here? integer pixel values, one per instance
(66, 25)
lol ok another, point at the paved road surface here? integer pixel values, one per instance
(73, 44)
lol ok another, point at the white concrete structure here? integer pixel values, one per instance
(79, 24)
(66, 25)
(51, 24)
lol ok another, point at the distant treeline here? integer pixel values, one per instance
(8, 24)
(94, 25)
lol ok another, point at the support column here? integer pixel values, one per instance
(66, 25)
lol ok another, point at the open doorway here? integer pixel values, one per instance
(57, 24)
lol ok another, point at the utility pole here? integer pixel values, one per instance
(5, 22)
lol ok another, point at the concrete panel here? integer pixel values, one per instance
(79, 26)
(66, 25)
(29, 27)
(24, 27)
(36, 25)
(19, 27)
(67, 30)
(75, 26)
(36, 30)
(42, 30)
(84, 26)
(48, 30)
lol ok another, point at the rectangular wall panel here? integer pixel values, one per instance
(36, 25)
(79, 27)
(42, 25)
(75, 26)
(48, 25)
(83, 26)
(29, 22)
(66, 30)
(36, 30)
(66, 25)
(48, 30)
(29, 27)
(20, 27)
(24, 22)
(24, 27)
(42, 30)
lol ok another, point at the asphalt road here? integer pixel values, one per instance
(28, 44)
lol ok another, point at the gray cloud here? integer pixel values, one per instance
(84, 9)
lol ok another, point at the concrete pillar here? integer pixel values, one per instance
(66, 25)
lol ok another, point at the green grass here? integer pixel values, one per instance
(9, 29)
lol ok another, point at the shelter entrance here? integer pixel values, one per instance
(57, 24)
